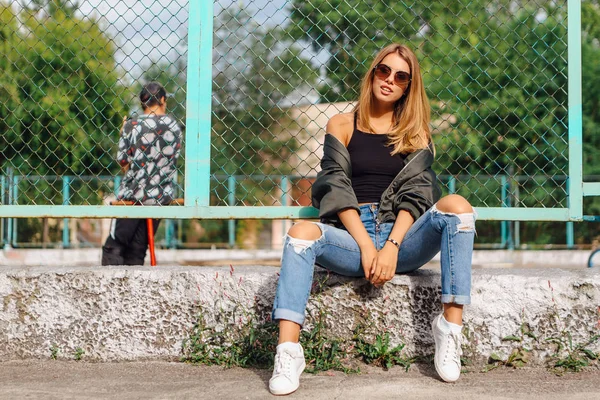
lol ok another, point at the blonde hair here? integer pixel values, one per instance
(410, 122)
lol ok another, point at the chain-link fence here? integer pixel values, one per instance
(495, 74)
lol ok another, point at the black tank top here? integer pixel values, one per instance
(373, 168)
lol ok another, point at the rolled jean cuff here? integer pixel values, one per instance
(452, 298)
(288, 315)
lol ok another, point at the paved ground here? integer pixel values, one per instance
(163, 380)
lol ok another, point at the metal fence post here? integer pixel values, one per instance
(570, 228)
(517, 231)
(9, 221)
(570, 235)
(503, 224)
(451, 184)
(169, 234)
(199, 98)
(117, 184)
(3, 194)
(231, 202)
(66, 200)
(15, 202)
(575, 121)
(284, 199)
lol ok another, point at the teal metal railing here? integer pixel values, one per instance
(507, 187)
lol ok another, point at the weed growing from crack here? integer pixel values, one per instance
(569, 357)
(54, 351)
(380, 352)
(520, 355)
(79, 352)
(576, 357)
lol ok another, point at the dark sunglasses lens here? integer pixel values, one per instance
(382, 71)
(401, 78)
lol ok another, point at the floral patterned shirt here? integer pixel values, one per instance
(150, 144)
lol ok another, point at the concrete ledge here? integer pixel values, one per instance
(91, 257)
(145, 313)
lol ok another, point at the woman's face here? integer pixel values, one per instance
(386, 89)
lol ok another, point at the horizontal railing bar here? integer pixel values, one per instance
(249, 212)
(312, 176)
(591, 189)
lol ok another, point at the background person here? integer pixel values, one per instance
(378, 203)
(148, 150)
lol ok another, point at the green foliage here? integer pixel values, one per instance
(570, 357)
(321, 351)
(236, 346)
(251, 343)
(62, 100)
(519, 355)
(79, 352)
(380, 352)
(256, 71)
(54, 351)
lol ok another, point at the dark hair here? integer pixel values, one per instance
(151, 94)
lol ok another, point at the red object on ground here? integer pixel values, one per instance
(150, 227)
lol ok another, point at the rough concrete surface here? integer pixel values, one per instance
(142, 313)
(161, 380)
(134, 313)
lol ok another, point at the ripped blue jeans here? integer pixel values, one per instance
(337, 251)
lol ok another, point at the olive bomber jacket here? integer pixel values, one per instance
(414, 189)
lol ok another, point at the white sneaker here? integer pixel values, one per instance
(447, 351)
(289, 364)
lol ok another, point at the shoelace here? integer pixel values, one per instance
(454, 340)
(283, 363)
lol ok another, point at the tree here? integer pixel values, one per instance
(9, 90)
(256, 71)
(69, 101)
(53, 7)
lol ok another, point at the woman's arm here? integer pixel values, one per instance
(354, 226)
(387, 258)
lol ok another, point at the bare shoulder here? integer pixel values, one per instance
(341, 126)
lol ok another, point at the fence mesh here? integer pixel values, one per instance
(495, 73)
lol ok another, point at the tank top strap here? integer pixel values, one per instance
(354, 124)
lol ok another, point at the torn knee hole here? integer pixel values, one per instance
(467, 222)
(299, 245)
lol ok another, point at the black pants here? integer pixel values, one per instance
(127, 242)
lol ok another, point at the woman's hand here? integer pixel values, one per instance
(385, 265)
(368, 259)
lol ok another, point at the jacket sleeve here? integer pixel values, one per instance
(332, 190)
(418, 194)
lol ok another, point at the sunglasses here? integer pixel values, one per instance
(401, 78)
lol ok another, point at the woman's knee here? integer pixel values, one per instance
(305, 230)
(455, 204)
